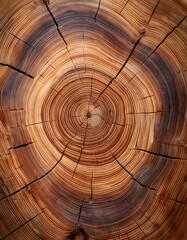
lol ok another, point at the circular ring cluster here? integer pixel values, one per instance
(93, 120)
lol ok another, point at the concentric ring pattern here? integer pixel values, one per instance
(93, 119)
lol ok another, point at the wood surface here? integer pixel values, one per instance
(93, 119)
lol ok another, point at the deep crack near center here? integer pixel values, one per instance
(88, 115)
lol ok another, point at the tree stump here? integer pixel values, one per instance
(93, 119)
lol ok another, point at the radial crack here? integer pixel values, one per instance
(39, 178)
(85, 133)
(143, 214)
(80, 210)
(166, 36)
(21, 40)
(159, 155)
(31, 124)
(57, 27)
(140, 228)
(21, 225)
(126, 61)
(97, 10)
(143, 63)
(124, 7)
(177, 201)
(55, 22)
(83, 53)
(91, 187)
(16, 69)
(153, 12)
(145, 112)
(132, 177)
(20, 146)
(81, 150)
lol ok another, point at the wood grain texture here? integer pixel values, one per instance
(93, 119)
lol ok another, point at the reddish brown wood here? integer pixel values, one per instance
(93, 119)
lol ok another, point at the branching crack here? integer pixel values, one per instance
(159, 155)
(16, 69)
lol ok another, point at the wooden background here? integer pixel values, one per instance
(93, 119)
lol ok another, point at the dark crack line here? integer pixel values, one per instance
(132, 177)
(92, 83)
(55, 22)
(97, 10)
(177, 201)
(91, 187)
(16, 69)
(140, 228)
(74, 66)
(83, 52)
(126, 61)
(51, 57)
(89, 99)
(39, 178)
(148, 96)
(143, 214)
(32, 124)
(16, 110)
(85, 133)
(143, 63)
(158, 155)
(169, 199)
(20, 146)
(124, 6)
(91, 86)
(21, 225)
(21, 40)
(145, 112)
(57, 27)
(80, 210)
(153, 12)
(167, 36)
